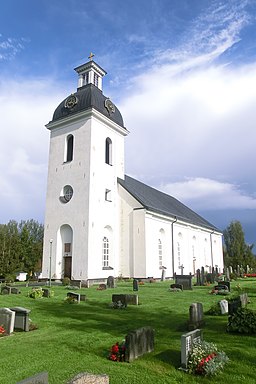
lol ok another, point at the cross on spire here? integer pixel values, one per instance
(91, 56)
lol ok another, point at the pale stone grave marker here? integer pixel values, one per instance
(7, 318)
(187, 341)
(40, 378)
(223, 307)
(89, 378)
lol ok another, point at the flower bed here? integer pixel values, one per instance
(206, 360)
(117, 352)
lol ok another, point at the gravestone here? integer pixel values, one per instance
(125, 299)
(244, 299)
(83, 297)
(198, 277)
(74, 295)
(89, 378)
(202, 275)
(184, 280)
(223, 307)
(46, 292)
(227, 283)
(6, 290)
(41, 378)
(163, 274)
(139, 342)
(76, 283)
(111, 282)
(102, 287)
(176, 286)
(187, 341)
(195, 316)
(227, 274)
(7, 318)
(135, 285)
(233, 306)
(21, 318)
(15, 291)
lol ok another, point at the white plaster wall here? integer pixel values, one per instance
(87, 213)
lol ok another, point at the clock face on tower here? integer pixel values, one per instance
(110, 106)
(71, 101)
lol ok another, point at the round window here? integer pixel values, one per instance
(66, 194)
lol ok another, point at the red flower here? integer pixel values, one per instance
(115, 348)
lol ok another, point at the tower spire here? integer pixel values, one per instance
(90, 73)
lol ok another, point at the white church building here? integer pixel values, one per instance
(101, 222)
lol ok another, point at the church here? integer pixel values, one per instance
(100, 221)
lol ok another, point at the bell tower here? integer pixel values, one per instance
(86, 156)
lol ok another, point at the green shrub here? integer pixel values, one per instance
(70, 300)
(66, 281)
(214, 310)
(9, 278)
(36, 293)
(242, 321)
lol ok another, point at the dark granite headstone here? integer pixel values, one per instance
(15, 291)
(184, 280)
(111, 282)
(74, 295)
(135, 285)
(21, 318)
(227, 283)
(195, 316)
(139, 342)
(176, 286)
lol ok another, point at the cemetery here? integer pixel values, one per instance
(155, 331)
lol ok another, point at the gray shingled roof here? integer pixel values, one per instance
(160, 202)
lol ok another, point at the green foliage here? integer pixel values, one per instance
(21, 246)
(237, 252)
(36, 293)
(9, 278)
(205, 359)
(70, 300)
(243, 321)
(66, 281)
(214, 310)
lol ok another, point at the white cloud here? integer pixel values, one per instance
(26, 104)
(207, 194)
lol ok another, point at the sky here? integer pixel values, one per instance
(182, 73)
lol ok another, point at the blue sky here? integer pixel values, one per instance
(183, 74)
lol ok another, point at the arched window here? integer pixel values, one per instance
(105, 252)
(70, 144)
(160, 254)
(108, 151)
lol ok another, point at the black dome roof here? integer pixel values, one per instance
(88, 96)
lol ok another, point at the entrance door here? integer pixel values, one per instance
(67, 266)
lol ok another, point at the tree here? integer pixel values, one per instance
(21, 246)
(236, 251)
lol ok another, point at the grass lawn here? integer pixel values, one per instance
(74, 338)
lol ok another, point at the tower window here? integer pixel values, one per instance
(70, 144)
(95, 79)
(108, 151)
(105, 252)
(160, 254)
